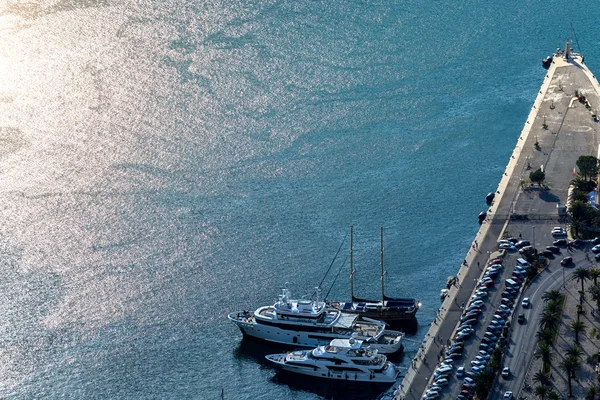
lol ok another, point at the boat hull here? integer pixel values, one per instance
(388, 376)
(391, 310)
(388, 343)
(387, 316)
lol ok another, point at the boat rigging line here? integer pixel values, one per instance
(335, 279)
(332, 261)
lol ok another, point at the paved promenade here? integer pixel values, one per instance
(552, 113)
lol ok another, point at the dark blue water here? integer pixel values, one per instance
(164, 163)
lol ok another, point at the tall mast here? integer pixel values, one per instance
(351, 263)
(382, 271)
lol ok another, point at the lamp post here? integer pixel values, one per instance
(533, 236)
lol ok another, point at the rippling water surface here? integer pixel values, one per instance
(164, 163)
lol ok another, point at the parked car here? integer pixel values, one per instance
(558, 231)
(463, 335)
(522, 243)
(505, 372)
(507, 301)
(441, 381)
(525, 303)
(477, 303)
(489, 340)
(566, 261)
(460, 372)
(577, 242)
(560, 242)
(507, 246)
(596, 249)
(553, 249)
(477, 363)
(441, 369)
(508, 395)
(504, 308)
(595, 240)
(486, 347)
(548, 253)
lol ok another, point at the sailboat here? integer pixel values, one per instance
(388, 309)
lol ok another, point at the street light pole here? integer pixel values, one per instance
(533, 236)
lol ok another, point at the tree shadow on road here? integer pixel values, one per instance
(549, 197)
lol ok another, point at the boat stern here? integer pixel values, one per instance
(391, 342)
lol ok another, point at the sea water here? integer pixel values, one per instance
(165, 163)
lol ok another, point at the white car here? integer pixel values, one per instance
(442, 369)
(507, 246)
(558, 231)
(596, 249)
(508, 395)
(525, 303)
(460, 372)
(441, 381)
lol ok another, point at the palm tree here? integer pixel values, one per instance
(551, 295)
(581, 274)
(554, 307)
(574, 351)
(544, 351)
(549, 321)
(541, 391)
(543, 378)
(545, 335)
(568, 367)
(483, 382)
(553, 395)
(577, 327)
(595, 274)
(576, 364)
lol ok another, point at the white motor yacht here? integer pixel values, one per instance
(342, 359)
(309, 323)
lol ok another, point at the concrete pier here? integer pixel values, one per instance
(563, 129)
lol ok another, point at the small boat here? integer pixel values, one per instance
(388, 309)
(546, 62)
(443, 294)
(341, 359)
(311, 323)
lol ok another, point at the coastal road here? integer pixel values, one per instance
(523, 340)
